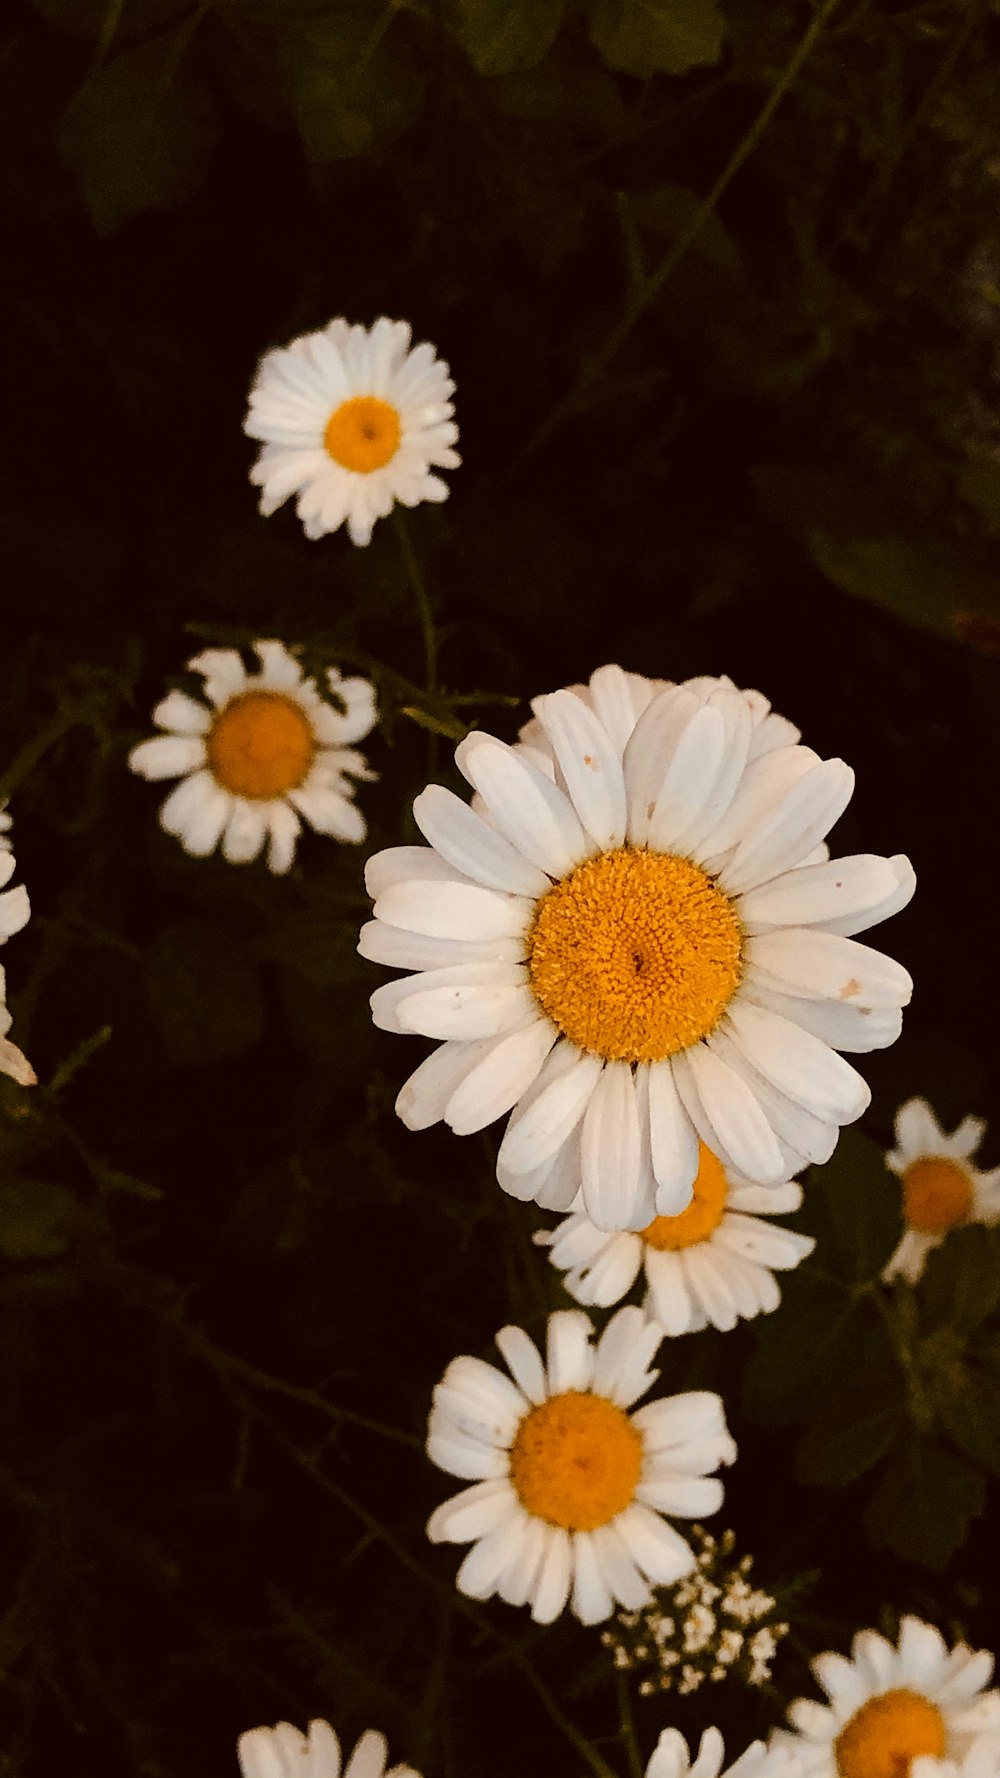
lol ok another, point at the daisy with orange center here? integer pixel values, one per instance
(351, 420)
(569, 1485)
(942, 1189)
(264, 749)
(894, 1712)
(634, 938)
(712, 1265)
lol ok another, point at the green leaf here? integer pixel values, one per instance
(667, 210)
(858, 1425)
(508, 36)
(35, 1219)
(139, 133)
(960, 1288)
(203, 993)
(647, 37)
(853, 1209)
(800, 1350)
(924, 1504)
(968, 1414)
(351, 85)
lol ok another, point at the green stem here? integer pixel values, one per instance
(416, 580)
(628, 1734)
(24, 762)
(645, 292)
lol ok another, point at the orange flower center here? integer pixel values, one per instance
(363, 434)
(260, 745)
(937, 1195)
(887, 1734)
(635, 955)
(702, 1216)
(576, 1461)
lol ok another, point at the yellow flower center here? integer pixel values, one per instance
(363, 434)
(887, 1734)
(635, 955)
(937, 1195)
(575, 1461)
(260, 745)
(703, 1214)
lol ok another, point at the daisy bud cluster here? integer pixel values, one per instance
(711, 1626)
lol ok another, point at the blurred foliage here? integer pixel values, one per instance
(720, 287)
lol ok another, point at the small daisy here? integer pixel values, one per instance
(671, 1759)
(284, 1752)
(568, 1485)
(712, 1265)
(892, 1708)
(265, 749)
(635, 938)
(942, 1190)
(351, 420)
(981, 1761)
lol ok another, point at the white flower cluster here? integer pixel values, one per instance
(713, 1624)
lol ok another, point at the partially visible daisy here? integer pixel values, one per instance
(15, 911)
(15, 908)
(713, 1264)
(12, 1060)
(6, 824)
(352, 419)
(568, 1485)
(981, 1761)
(264, 749)
(672, 1759)
(633, 939)
(891, 1708)
(942, 1190)
(284, 1752)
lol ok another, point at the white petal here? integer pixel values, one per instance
(917, 1129)
(456, 910)
(480, 1573)
(470, 845)
(858, 1029)
(765, 782)
(245, 832)
(683, 1497)
(689, 780)
(406, 864)
(543, 1124)
(462, 1002)
(648, 754)
(614, 703)
(610, 1149)
(661, 1554)
(524, 1361)
(592, 1600)
(821, 965)
(570, 1360)
(590, 765)
(468, 1458)
(809, 896)
(284, 827)
(669, 1297)
(618, 1568)
(554, 1578)
(167, 756)
(793, 1126)
(786, 833)
(893, 903)
(532, 813)
(497, 1082)
(423, 1097)
(735, 1114)
(676, 1422)
(396, 949)
(622, 1369)
(483, 1507)
(222, 671)
(181, 714)
(673, 1142)
(798, 1064)
(481, 1400)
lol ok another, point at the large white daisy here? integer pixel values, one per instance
(264, 749)
(672, 1759)
(636, 938)
(712, 1265)
(284, 1752)
(889, 1708)
(568, 1485)
(351, 420)
(942, 1190)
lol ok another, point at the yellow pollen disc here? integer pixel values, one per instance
(575, 1461)
(363, 434)
(887, 1734)
(635, 955)
(937, 1195)
(260, 745)
(702, 1216)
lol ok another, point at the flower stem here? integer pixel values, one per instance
(627, 1730)
(416, 580)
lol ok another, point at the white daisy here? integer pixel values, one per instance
(568, 1486)
(942, 1190)
(672, 1759)
(351, 420)
(635, 938)
(713, 1264)
(981, 1761)
(284, 1752)
(890, 1708)
(265, 749)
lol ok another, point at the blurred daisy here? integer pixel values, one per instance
(713, 1264)
(568, 1485)
(284, 1752)
(351, 420)
(265, 749)
(892, 1709)
(671, 1759)
(981, 1761)
(635, 938)
(942, 1190)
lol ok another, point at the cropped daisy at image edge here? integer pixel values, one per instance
(284, 1752)
(265, 749)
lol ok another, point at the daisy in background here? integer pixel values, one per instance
(634, 938)
(942, 1190)
(263, 749)
(284, 1752)
(712, 1265)
(672, 1759)
(568, 1485)
(351, 420)
(895, 1712)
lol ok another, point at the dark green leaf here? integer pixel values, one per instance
(857, 1427)
(35, 1219)
(960, 1288)
(646, 37)
(801, 1348)
(203, 993)
(507, 36)
(852, 1207)
(924, 1504)
(667, 210)
(968, 1413)
(139, 133)
(351, 85)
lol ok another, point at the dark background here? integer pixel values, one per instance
(216, 1233)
